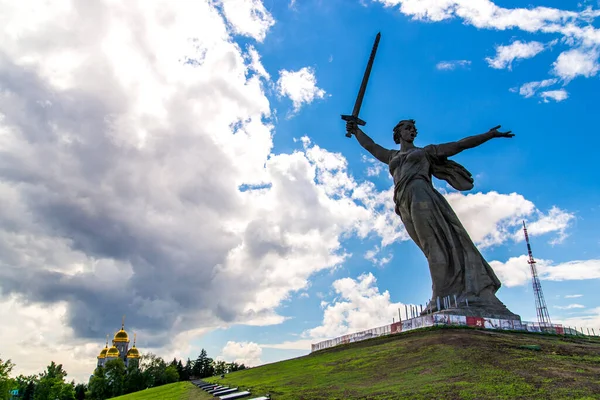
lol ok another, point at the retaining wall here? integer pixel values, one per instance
(441, 319)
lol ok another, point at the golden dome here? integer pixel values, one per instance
(103, 353)
(113, 352)
(133, 353)
(121, 336)
(104, 350)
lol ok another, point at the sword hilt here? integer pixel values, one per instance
(352, 118)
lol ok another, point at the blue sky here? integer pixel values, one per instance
(545, 162)
(186, 165)
(446, 104)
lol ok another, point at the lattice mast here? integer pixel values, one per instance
(540, 303)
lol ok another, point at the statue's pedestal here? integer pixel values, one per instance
(485, 305)
(480, 312)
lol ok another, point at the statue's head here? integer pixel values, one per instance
(405, 130)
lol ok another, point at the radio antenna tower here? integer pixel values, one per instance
(540, 303)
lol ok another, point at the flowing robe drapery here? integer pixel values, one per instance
(456, 265)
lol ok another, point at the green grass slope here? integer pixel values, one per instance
(436, 364)
(173, 391)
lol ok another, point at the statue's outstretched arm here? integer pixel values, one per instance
(380, 153)
(453, 148)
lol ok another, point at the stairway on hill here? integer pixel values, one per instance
(225, 392)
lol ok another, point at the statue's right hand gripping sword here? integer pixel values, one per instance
(363, 88)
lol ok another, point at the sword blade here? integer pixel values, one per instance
(365, 80)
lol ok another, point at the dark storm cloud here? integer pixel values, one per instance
(101, 198)
(119, 175)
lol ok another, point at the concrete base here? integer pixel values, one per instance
(485, 305)
(479, 312)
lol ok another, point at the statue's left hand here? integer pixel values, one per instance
(495, 133)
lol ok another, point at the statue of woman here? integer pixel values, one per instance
(457, 268)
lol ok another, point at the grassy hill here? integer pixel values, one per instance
(173, 391)
(436, 364)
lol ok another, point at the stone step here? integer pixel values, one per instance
(226, 391)
(234, 396)
(217, 389)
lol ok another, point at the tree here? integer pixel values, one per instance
(80, 390)
(171, 375)
(26, 386)
(199, 364)
(52, 384)
(181, 372)
(63, 391)
(219, 367)
(203, 366)
(187, 370)
(208, 368)
(6, 383)
(114, 371)
(133, 363)
(29, 391)
(232, 367)
(134, 379)
(153, 368)
(98, 385)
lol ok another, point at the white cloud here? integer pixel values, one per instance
(489, 217)
(556, 95)
(374, 170)
(556, 220)
(583, 320)
(255, 63)
(37, 337)
(485, 14)
(576, 62)
(303, 344)
(248, 17)
(452, 65)
(376, 216)
(372, 255)
(530, 88)
(573, 296)
(570, 307)
(517, 50)
(492, 218)
(574, 27)
(358, 306)
(247, 353)
(572, 270)
(516, 270)
(300, 86)
(589, 320)
(140, 212)
(116, 200)
(375, 167)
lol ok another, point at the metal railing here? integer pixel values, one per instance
(441, 319)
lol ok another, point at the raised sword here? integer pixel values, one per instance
(363, 88)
